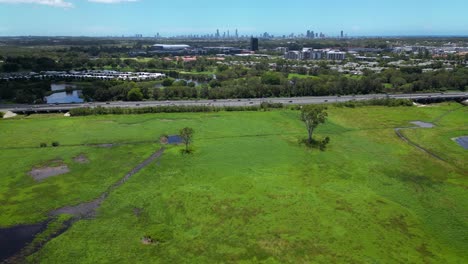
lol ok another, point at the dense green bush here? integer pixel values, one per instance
(43, 145)
(380, 102)
(157, 109)
(55, 144)
(267, 105)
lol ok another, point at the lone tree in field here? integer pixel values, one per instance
(187, 137)
(312, 116)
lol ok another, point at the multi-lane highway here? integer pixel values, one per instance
(232, 102)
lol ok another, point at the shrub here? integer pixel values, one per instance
(55, 144)
(186, 151)
(43, 145)
(390, 102)
(320, 144)
(167, 82)
(1, 114)
(266, 105)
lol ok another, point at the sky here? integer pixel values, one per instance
(250, 17)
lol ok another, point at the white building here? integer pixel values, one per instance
(315, 54)
(336, 55)
(293, 55)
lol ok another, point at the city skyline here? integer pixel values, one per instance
(183, 17)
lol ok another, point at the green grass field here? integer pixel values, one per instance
(250, 193)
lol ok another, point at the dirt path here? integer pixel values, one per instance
(419, 126)
(407, 140)
(88, 209)
(81, 211)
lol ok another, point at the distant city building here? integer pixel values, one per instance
(282, 49)
(293, 55)
(254, 44)
(342, 34)
(336, 55)
(315, 54)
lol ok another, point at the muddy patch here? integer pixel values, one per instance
(81, 159)
(51, 169)
(14, 239)
(462, 141)
(83, 210)
(163, 140)
(423, 124)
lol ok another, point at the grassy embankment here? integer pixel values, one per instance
(250, 192)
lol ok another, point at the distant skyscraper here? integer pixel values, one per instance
(217, 33)
(254, 44)
(237, 33)
(342, 35)
(308, 34)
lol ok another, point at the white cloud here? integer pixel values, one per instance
(111, 1)
(56, 3)
(61, 3)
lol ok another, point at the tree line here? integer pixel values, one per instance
(269, 84)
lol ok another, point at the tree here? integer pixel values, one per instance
(135, 94)
(187, 136)
(312, 116)
(167, 82)
(271, 78)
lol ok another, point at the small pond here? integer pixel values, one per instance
(462, 141)
(423, 124)
(176, 139)
(64, 97)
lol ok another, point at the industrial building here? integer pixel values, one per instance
(170, 47)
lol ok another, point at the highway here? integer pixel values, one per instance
(21, 108)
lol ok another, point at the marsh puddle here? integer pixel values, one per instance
(462, 141)
(14, 239)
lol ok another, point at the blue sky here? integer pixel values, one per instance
(174, 17)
